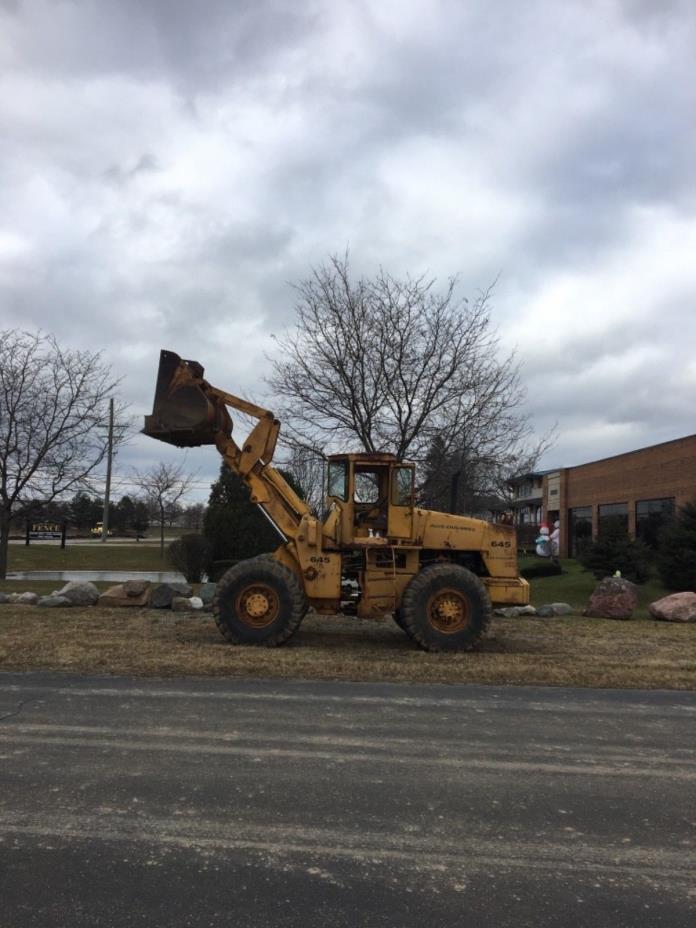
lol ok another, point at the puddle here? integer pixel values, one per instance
(117, 576)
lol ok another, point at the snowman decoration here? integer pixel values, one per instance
(543, 542)
(555, 538)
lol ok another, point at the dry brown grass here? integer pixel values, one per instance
(570, 651)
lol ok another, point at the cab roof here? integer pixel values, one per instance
(367, 457)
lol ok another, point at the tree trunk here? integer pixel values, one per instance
(161, 531)
(4, 538)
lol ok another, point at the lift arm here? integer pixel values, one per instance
(188, 412)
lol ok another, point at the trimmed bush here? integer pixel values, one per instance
(542, 569)
(190, 555)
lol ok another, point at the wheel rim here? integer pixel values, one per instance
(448, 611)
(258, 605)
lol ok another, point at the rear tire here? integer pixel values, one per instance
(259, 601)
(446, 607)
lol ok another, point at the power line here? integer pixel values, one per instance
(120, 484)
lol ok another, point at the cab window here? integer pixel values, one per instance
(402, 486)
(366, 486)
(338, 480)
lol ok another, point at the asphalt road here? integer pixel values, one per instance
(210, 803)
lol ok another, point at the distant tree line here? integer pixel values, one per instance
(129, 515)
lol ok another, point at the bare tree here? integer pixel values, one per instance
(193, 516)
(307, 470)
(53, 406)
(163, 486)
(394, 365)
(460, 482)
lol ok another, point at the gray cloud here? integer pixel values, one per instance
(168, 169)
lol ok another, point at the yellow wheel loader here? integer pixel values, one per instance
(375, 553)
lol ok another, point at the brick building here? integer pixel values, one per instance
(639, 488)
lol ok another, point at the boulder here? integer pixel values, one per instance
(5, 598)
(679, 607)
(613, 598)
(207, 592)
(162, 594)
(79, 592)
(525, 610)
(511, 612)
(136, 588)
(126, 594)
(28, 599)
(551, 609)
(54, 601)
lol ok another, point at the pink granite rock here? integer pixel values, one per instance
(131, 593)
(613, 598)
(679, 607)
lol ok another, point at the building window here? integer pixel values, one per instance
(579, 529)
(613, 520)
(651, 516)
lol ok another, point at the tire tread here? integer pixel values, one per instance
(263, 567)
(412, 607)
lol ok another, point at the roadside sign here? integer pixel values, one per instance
(46, 531)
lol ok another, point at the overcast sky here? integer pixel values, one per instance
(168, 168)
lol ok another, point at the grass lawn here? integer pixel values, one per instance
(570, 650)
(566, 651)
(170, 532)
(93, 556)
(575, 585)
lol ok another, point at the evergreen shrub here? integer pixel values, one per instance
(235, 527)
(676, 559)
(613, 551)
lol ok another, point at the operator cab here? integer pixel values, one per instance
(375, 495)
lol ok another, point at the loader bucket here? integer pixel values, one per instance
(184, 413)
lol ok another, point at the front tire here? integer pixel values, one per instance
(399, 619)
(446, 607)
(259, 601)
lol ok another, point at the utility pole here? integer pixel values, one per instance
(107, 489)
